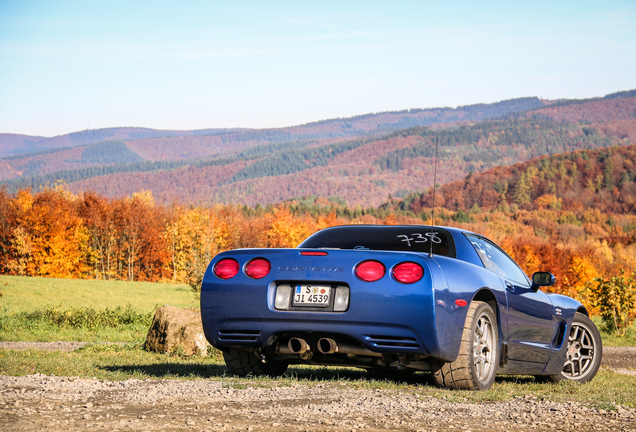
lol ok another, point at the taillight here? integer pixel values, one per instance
(258, 268)
(408, 272)
(226, 268)
(370, 271)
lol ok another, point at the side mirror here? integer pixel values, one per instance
(541, 279)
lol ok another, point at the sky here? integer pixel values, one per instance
(67, 66)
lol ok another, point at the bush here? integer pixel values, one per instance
(615, 299)
(86, 317)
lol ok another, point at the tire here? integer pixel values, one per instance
(584, 351)
(476, 364)
(243, 363)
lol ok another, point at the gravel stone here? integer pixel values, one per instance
(39, 402)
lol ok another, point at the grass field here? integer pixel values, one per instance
(28, 294)
(26, 300)
(21, 297)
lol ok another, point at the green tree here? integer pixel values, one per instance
(523, 188)
(616, 300)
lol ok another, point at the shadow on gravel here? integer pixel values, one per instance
(299, 372)
(523, 379)
(164, 370)
(333, 374)
(303, 373)
(308, 373)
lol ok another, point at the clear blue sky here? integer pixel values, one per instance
(67, 66)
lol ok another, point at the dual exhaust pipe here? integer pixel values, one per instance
(300, 347)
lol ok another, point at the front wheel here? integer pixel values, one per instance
(584, 351)
(476, 364)
(242, 362)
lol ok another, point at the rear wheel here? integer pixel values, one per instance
(584, 352)
(243, 362)
(476, 364)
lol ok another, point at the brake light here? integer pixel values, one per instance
(370, 271)
(408, 272)
(314, 253)
(227, 268)
(258, 268)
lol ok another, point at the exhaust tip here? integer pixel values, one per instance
(327, 346)
(298, 345)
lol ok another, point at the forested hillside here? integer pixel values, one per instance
(157, 141)
(603, 180)
(31, 161)
(363, 171)
(267, 166)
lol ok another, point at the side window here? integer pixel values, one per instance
(497, 261)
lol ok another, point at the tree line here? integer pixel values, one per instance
(55, 233)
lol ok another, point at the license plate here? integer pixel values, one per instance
(311, 295)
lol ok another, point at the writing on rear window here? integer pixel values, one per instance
(420, 238)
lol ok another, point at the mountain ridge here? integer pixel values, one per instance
(329, 157)
(92, 136)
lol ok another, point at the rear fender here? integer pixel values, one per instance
(454, 295)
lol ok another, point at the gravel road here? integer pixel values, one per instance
(39, 402)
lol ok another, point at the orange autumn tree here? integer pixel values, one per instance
(7, 227)
(98, 215)
(54, 232)
(141, 246)
(191, 244)
(287, 230)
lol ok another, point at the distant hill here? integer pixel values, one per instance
(362, 171)
(12, 144)
(161, 145)
(362, 159)
(601, 180)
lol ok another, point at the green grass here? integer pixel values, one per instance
(121, 362)
(29, 294)
(47, 309)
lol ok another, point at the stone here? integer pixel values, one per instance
(176, 329)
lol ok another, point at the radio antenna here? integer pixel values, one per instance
(433, 209)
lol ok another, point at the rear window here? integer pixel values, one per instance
(408, 238)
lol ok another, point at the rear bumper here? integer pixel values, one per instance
(376, 337)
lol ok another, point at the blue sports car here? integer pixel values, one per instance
(411, 298)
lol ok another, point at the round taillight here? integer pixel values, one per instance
(226, 268)
(258, 268)
(370, 271)
(408, 272)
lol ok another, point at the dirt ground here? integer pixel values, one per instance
(39, 402)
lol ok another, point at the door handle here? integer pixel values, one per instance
(510, 287)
